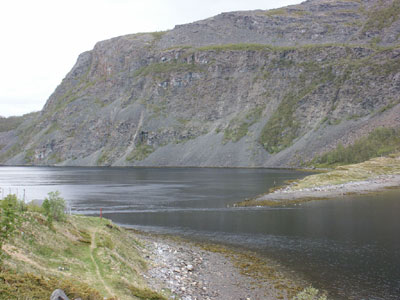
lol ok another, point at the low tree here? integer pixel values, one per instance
(54, 207)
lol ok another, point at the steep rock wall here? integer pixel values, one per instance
(260, 88)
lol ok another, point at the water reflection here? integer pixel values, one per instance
(349, 246)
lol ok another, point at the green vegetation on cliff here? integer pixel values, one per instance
(239, 127)
(283, 127)
(381, 18)
(7, 124)
(140, 152)
(11, 123)
(381, 141)
(168, 67)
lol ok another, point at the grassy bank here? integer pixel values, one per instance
(87, 257)
(369, 176)
(355, 172)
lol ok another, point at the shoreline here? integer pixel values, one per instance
(372, 176)
(299, 169)
(192, 270)
(288, 195)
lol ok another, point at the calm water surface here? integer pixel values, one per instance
(348, 246)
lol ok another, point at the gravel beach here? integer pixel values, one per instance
(332, 191)
(189, 272)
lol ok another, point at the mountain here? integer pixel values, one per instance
(264, 88)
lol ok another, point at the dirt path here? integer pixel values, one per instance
(93, 246)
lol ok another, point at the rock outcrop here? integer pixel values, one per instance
(242, 89)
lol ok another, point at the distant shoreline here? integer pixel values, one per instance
(287, 196)
(374, 175)
(165, 167)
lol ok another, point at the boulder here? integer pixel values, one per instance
(58, 295)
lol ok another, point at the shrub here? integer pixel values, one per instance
(10, 219)
(54, 207)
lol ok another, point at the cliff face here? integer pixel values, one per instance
(257, 88)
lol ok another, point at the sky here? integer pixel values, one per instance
(41, 39)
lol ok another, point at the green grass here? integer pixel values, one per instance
(353, 172)
(167, 67)
(381, 141)
(16, 286)
(100, 102)
(282, 128)
(43, 259)
(300, 13)
(14, 150)
(157, 35)
(387, 68)
(381, 18)
(239, 126)
(392, 104)
(103, 158)
(29, 156)
(236, 47)
(276, 12)
(272, 48)
(370, 169)
(145, 294)
(140, 152)
(11, 123)
(52, 128)
(72, 93)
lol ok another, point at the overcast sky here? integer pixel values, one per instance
(41, 39)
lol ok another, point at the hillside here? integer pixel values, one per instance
(87, 257)
(242, 89)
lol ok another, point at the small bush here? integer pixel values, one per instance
(33, 207)
(310, 293)
(145, 294)
(54, 207)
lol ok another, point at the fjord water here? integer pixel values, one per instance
(348, 246)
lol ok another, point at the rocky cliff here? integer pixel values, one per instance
(253, 88)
